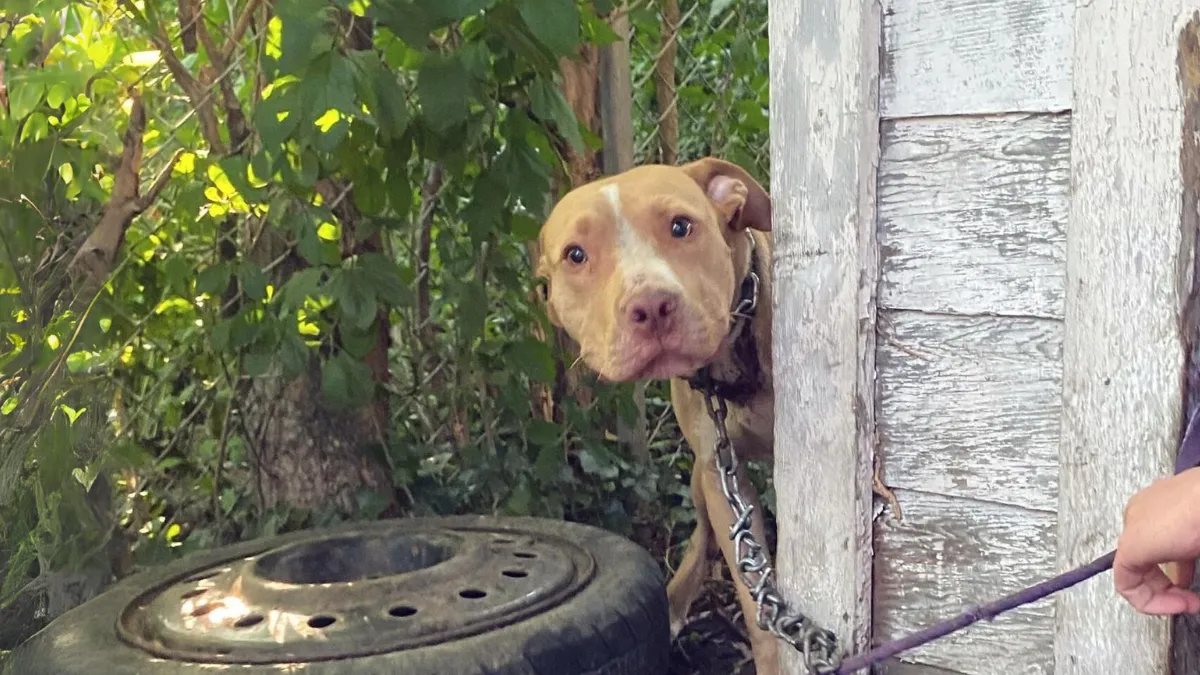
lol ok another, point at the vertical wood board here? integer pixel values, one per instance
(970, 406)
(972, 214)
(1185, 647)
(948, 554)
(824, 157)
(1122, 354)
(965, 57)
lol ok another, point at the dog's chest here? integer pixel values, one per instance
(752, 428)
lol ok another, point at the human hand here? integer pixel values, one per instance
(1162, 526)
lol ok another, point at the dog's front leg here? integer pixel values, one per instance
(764, 645)
(686, 584)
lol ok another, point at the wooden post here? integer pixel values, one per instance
(824, 70)
(1128, 271)
(616, 122)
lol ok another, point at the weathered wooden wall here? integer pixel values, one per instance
(1018, 343)
(973, 202)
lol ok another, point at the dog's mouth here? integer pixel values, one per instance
(653, 361)
(666, 366)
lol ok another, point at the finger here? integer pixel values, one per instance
(1172, 600)
(1141, 586)
(1182, 573)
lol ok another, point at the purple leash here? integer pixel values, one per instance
(1187, 458)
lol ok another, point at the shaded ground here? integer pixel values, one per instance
(714, 641)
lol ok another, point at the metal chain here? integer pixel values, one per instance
(819, 646)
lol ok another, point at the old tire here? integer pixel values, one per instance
(613, 622)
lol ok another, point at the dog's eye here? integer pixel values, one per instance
(681, 227)
(575, 255)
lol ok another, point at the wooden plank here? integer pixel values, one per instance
(972, 214)
(1185, 645)
(1127, 266)
(970, 406)
(949, 553)
(824, 157)
(956, 57)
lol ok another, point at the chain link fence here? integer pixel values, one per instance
(700, 81)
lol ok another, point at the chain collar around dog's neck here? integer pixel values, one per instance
(743, 350)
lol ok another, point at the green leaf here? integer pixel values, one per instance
(525, 228)
(177, 271)
(303, 284)
(235, 168)
(410, 22)
(472, 310)
(597, 463)
(555, 23)
(293, 355)
(258, 364)
(243, 331)
(303, 23)
(519, 500)
(24, 94)
(353, 296)
(213, 280)
(359, 342)
(385, 98)
(532, 357)
(487, 206)
(254, 282)
(346, 383)
(548, 103)
(272, 130)
(445, 90)
(550, 456)
(385, 277)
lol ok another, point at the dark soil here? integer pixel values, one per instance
(714, 641)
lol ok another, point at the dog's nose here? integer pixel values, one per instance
(651, 312)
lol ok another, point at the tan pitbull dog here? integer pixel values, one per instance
(643, 270)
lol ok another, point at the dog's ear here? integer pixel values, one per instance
(735, 193)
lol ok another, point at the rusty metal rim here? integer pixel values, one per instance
(133, 627)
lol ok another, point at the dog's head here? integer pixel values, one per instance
(638, 267)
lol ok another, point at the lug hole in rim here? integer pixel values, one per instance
(248, 621)
(515, 574)
(525, 554)
(402, 611)
(321, 621)
(472, 594)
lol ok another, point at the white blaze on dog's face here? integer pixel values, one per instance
(639, 267)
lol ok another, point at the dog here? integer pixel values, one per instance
(645, 270)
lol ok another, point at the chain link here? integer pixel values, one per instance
(819, 646)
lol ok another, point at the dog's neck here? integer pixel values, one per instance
(736, 373)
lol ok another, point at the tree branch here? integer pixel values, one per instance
(97, 254)
(239, 29)
(191, 86)
(235, 119)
